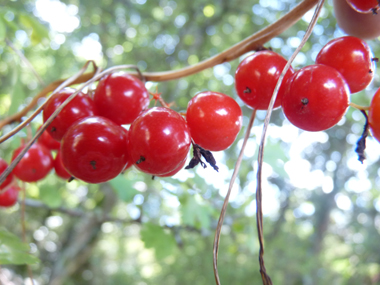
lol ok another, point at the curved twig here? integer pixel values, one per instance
(225, 204)
(259, 210)
(251, 43)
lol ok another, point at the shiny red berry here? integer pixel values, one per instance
(256, 77)
(9, 197)
(374, 115)
(159, 140)
(175, 170)
(316, 98)
(60, 170)
(121, 97)
(35, 165)
(94, 149)
(3, 166)
(47, 140)
(80, 107)
(352, 57)
(214, 120)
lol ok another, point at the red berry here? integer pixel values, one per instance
(364, 6)
(35, 165)
(48, 141)
(129, 160)
(214, 120)
(316, 98)
(374, 115)
(352, 57)
(60, 170)
(121, 97)
(256, 77)
(175, 170)
(159, 140)
(94, 149)
(80, 107)
(3, 166)
(364, 26)
(9, 197)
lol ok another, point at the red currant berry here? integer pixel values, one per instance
(121, 97)
(364, 6)
(35, 165)
(94, 149)
(60, 170)
(174, 171)
(352, 57)
(129, 160)
(159, 140)
(214, 120)
(3, 166)
(364, 26)
(316, 98)
(48, 141)
(80, 107)
(256, 77)
(374, 115)
(9, 197)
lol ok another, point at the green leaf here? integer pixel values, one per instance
(50, 195)
(3, 30)
(195, 213)
(154, 236)
(123, 188)
(39, 31)
(13, 250)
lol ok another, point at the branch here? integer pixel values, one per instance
(251, 43)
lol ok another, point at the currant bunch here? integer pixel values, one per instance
(317, 96)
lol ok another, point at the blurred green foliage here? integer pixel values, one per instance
(321, 207)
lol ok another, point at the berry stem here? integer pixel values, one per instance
(360, 108)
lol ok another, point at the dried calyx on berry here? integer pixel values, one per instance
(198, 152)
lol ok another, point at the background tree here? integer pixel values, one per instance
(321, 205)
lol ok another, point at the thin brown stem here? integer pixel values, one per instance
(259, 211)
(360, 108)
(226, 199)
(250, 43)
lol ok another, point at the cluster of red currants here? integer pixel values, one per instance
(315, 97)
(98, 137)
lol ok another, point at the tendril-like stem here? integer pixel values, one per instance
(360, 108)
(259, 210)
